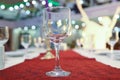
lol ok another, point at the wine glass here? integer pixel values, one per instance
(25, 42)
(56, 25)
(112, 40)
(4, 36)
(37, 41)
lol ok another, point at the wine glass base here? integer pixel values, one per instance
(58, 73)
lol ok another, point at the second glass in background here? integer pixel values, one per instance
(25, 42)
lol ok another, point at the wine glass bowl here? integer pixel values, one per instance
(25, 42)
(56, 27)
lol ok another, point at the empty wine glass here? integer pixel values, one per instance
(25, 42)
(56, 24)
(4, 35)
(112, 40)
(37, 41)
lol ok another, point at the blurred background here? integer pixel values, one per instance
(25, 16)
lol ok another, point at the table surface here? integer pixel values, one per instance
(81, 68)
(16, 57)
(104, 56)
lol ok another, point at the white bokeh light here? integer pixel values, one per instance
(50, 4)
(43, 2)
(33, 27)
(28, 12)
(83, 24)
(16, 7)
(59, 23)
(2, 6)
(26, 28)
(76, 26)
(11, 8)
(34, 2)
(81, 1)
(25, 0)
(73, 22)
(117, 16)
(21, 5)
(100, 19)
(27, 4)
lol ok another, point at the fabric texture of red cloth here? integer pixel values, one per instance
(81, 68)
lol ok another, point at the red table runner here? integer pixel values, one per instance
(81, 68)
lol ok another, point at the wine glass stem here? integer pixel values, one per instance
(57, 58)
(111, 48)
(2, 57)
(26, 53)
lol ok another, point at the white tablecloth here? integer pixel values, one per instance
(12, 59)
(100, 56)
(16, 57)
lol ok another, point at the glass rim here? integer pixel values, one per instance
(55, 7)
